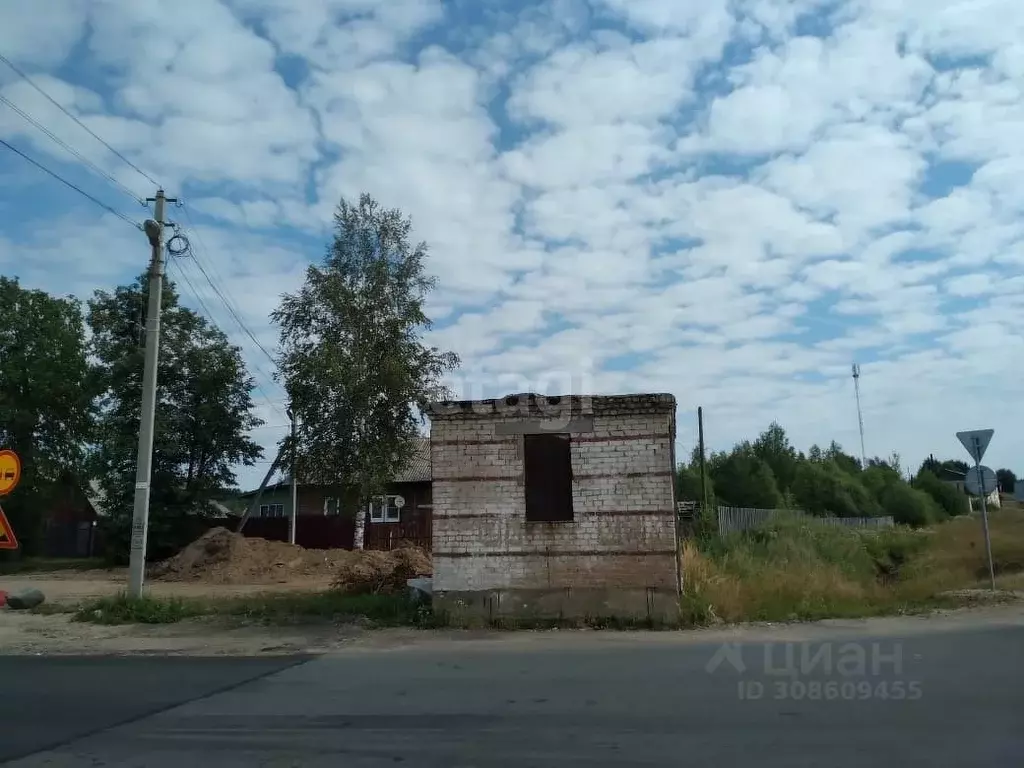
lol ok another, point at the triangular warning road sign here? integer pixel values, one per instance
(976, 442)
(7, 538)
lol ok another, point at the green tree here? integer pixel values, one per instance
(909, 506)
(947, 469)
(46, 400)
(952, 501)
(823, 489)
(773, 448)
(352, 358)
(953, 469)
(894, 462)
(204, 414)
(688, 488)
(1007, 480)
(878, 477)
(931, 464)
(687, 484)
(844, 461)
(742, 479)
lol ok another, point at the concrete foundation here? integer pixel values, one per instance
(657, 605)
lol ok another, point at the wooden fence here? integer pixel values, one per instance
(733, 519)
(311, 531)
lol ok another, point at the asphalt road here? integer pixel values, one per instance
(953, 699)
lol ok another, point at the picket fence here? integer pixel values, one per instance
(733, 519)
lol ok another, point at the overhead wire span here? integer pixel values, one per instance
(221, 294)
(209, 315)
(67, 183)
(87, 129)
(68, 148)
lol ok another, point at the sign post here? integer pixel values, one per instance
(10, 474)
(976, 442)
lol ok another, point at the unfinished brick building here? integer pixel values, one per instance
(554, 507)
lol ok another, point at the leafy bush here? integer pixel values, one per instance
(876, 479)
(744, 480)
(822, 488)
(952, 501)
(909, 506)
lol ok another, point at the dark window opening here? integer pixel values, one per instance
(548, 470)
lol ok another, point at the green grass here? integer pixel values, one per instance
(122, 609)
(284, 608)
(797, 570)
(49, 564)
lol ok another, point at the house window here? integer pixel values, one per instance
(384, 510)
(332, 506)
(548, 470)
(271, 510)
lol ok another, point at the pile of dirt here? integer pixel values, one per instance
(371, 572)
(221, 556)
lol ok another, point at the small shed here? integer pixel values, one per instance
(555, 507)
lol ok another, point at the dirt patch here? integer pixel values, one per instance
(223, 557)
(382, 572)
(32, 634)
(27, 633)
(69, 592)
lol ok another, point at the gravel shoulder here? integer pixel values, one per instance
(74, 586)
(34, 634)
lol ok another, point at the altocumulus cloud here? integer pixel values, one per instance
(729, 200)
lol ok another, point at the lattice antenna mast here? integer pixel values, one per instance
(860, 415)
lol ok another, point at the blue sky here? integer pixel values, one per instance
(729, 200)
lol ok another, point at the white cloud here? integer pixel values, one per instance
(34, 39)
(863, 176)
(595, 83)
(727, 200)
(340, 34)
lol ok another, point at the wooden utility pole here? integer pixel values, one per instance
(154, 230)
(703, 471)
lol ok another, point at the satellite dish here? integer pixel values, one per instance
(399, 501)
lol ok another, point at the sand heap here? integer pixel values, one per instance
(221, 556)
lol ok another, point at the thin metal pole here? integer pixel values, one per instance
(984, 525)
(860, 416)
(295, 482)
(703, 472)
(154, 229)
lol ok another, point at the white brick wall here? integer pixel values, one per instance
(623, 528)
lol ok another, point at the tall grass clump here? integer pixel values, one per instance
(796, 569)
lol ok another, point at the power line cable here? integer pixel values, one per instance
(231, 301)
(88, 163)
(61, 107)
(186, 248)
(226, 302)
(67, 183)
(238, 320)
(206, 310)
